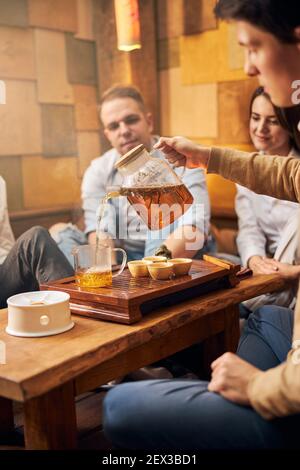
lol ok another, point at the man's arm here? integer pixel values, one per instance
(185, 241)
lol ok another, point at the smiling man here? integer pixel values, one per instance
(253, 398)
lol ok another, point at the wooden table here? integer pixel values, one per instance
(47, 373)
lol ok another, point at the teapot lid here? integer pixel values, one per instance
(130, 156)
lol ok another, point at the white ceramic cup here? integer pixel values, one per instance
(39, 313)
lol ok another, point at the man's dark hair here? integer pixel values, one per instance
(278, 17)
(123, 91)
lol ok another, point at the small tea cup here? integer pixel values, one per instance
(139, 268)
(181, 266)
(161, 271)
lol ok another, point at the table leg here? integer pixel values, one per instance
(227, 340)
(50, 420)
(6, 417)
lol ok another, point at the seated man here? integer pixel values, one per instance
(127, 124)
(34, 258)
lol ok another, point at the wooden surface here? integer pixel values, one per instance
(128, 298)
(41, 419)
(37, 365)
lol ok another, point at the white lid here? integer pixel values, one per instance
(37, 298)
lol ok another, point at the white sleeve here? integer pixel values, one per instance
(251, 239)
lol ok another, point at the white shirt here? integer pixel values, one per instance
(261, 221)
(7, 239)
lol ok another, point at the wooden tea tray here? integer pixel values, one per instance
(129, 298)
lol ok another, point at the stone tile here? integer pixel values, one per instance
(208, 19)
(233, 105)
(199, 16)
(17, 53)
(168, 53)
(86, 113)
(204, 58)
(11, 171)
(169, 18)
(20, 120)
(89, 148)
(236, 53)
(138, 67)
(53, 85)
(58, 127)
(81, 61)
(14, 13)
(187, 110)
(85, 28)
(53, 14)
(49, 182)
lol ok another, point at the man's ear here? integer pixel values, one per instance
(297, 34)
(149, 119)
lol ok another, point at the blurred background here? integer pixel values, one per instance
(58, 56)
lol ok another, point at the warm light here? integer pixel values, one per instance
(128, 25)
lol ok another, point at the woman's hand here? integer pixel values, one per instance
(183, 152)
(285, 270)
(262, 265)
(230, 378)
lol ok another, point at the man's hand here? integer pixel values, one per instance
(230, 378)
(183, 152)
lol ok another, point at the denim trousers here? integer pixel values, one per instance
(184, 415)
(34, 259)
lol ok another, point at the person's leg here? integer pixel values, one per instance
(267, 336)
(35, 258)
(182, 414)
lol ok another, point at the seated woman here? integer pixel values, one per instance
(267, 237)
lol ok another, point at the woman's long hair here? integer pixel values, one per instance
(288, 118)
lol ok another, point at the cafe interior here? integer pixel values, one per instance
(57, 58)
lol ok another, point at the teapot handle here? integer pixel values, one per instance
(123, 262)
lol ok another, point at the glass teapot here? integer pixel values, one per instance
(153, 188)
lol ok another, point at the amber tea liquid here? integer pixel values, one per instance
(93, 278)
(159, 206)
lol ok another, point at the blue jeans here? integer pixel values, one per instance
(183, 415)
(34, 259)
